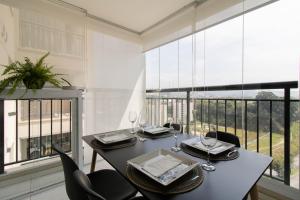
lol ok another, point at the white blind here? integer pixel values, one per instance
(197, 18)
(45, 25)
(42, 26)
(50, 8)
(41, 32)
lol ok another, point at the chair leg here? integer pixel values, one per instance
(254, 193)
(93, 164)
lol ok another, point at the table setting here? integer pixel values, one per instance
(207, 147)
(159, 164)
(161, 171)
(114, 139)
(164, 171)
(221, 152)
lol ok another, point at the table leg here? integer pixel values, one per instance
(254, 193)
(93, 164)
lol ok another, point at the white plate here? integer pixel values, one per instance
(178, 165)
(157, 130)
(218, 148)
(114, 136)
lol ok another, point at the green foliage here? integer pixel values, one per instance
(33, 76)
(264, 113)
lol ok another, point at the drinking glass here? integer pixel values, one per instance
(194, 112)
(203, 130)
(170, 121)
(142, 122)
(176, 147)
(209, 143)
(132, 118)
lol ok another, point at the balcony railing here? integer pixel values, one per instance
(49, 117)
(32, 123)
(240, 116)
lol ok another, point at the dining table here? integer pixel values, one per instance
(232, 180)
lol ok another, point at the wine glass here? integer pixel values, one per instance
(209, 143)
(176, 147)
(170, 121)
(142, 121)
(204, 129)
(132, 118)
(194, 112)
(142, 125)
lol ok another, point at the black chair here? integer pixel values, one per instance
(176, 127)
(90, 190)
(226, 137)
(109, 183)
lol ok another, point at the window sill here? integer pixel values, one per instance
(277, 190)
(30, 171)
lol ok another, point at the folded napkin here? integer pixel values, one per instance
(157, 130)
(199, 145)
(160, 164)
(116, 137)
(219, 149)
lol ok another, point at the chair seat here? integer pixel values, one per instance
(111, 185)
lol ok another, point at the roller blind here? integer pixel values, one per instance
(51, 8)
(197, 18)
(42, 26)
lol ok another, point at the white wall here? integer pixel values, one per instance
(7, 38)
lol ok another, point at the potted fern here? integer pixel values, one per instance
(32, 75)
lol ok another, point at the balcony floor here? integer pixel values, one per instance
(58, 191)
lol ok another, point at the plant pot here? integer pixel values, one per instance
(33, 83)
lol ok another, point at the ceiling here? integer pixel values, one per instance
(134, 15)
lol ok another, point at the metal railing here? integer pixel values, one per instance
(31, 122)
(228, 113)
(29, 113)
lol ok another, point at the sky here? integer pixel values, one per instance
(271, 44)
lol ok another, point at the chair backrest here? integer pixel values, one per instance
(84, 182)
(73, 190)
(176, 127)
(226, 137)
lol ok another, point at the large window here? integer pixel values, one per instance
(169, 65)
(261, 46)
(272, 43)
(186, 62)
(152, 69)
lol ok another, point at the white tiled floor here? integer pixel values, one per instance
(58, 191)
